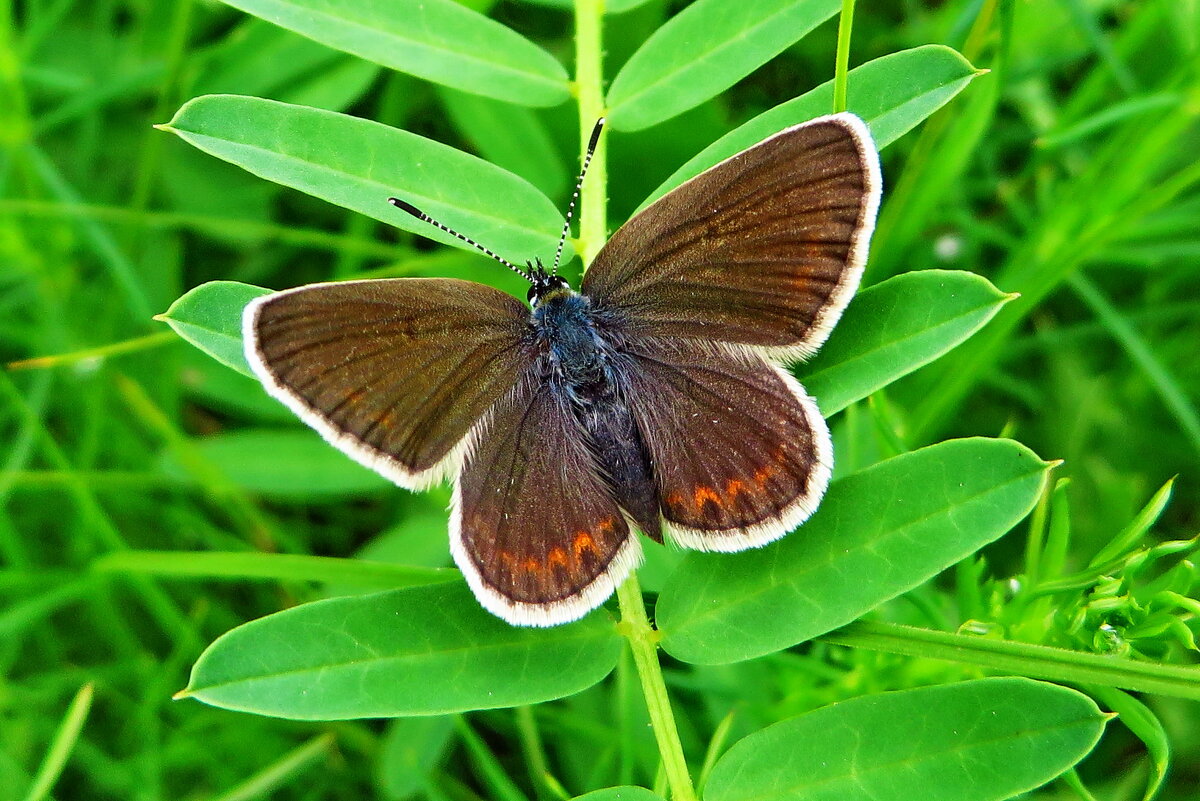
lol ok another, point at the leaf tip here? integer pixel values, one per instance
(184, 693)
(981, 71)
(1009, 297)
(1054, 463)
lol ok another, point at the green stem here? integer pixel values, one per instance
(589, 84)
(643, 641)
(842, 63)
(593, 231)
(1037, 661)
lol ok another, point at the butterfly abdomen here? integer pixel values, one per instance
(584, 371)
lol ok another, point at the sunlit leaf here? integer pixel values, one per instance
(439, 40)
(877, 533)
(418, 651)
(984, 740)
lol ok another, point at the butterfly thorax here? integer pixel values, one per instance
(578, 353)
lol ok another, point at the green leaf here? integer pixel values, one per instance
(418, 651)
(412, 749)
(892, 94)
(509, 136)
(703, 50)
(620, 794)
(985, 740)
(1128, 538)
(878, 533)
(1140, 720)
(355, 573)
(284, 463)
(210, 317)
(358, 164)
(438, 40)
(893, 328)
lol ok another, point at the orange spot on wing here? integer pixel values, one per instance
(583, 542)
(557, 556)
(606, 525)
(734, 488)
(763, 473)
(533, 565)
(674, 500)
(704, 494)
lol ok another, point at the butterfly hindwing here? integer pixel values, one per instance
(535, 527)
(764, 249)
(393, 372)
(741, 454)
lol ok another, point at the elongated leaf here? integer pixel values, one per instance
(985, 740)
(703, 50)
(892, 94)
(210, 317)
(620, 794)
(358, 164)
(418, 651)
(439, 40)
(878, 533)
(285, 463)
(893, 328)
(1139, 719)
(356, 573)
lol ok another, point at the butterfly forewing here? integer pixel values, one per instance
(741, 455)
(393, 372)
(535, 528)
(764, 249)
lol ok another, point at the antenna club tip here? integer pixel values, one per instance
(404, 205)
(595, 138)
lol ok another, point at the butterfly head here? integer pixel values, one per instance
(544, 285)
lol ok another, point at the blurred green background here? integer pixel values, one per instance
(1068, 174)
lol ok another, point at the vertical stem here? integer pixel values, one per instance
(842, 63)
(643, 642)
(593, 231)
(589, 83)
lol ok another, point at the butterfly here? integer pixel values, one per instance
(654, 399)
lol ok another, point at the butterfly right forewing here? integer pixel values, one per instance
(764, 249)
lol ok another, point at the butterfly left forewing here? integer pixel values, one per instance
(393, 372)
(741, 454)
(535, 528)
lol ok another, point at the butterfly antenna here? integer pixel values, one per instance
(587, 159)
(423, 217)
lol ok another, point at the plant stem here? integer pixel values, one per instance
(842, 63)
(589, 85)
(1024, 659)
(643, 641)
(593, 230)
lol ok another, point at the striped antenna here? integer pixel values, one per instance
(587, 159)
(423, 217)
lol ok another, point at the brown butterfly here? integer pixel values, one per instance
(652, 399)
